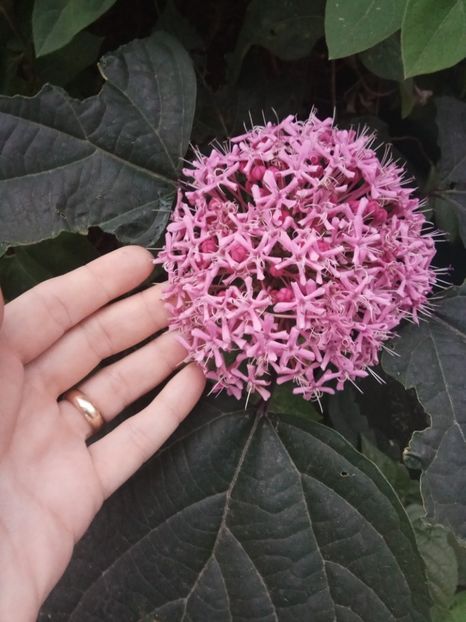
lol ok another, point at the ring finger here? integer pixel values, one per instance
(116, 386)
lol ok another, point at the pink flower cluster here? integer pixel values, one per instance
(292, 254)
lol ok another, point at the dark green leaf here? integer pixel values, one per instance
(62, 66)
(450, 195)
(451, 114)
(352, 27)
(384, 59)
(440, 561)
(110, 160)
(9, 58)
(346, 417)
(30, 265)
(14, 33)
(460, 552)
(450, 211)
(432, 359)
(457, 612)
(397, 474)
(245, 517)
(173, 22)
(288, 28)
(433, 35)
(56, 22)
(446, 213)
(227, 111)
(285, 402)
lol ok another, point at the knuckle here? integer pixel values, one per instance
(174, 414)
(170, 351)
(148, 304)
(139, 440)
(54, 306)
(98, 282)
(98, 337)
(154, 307)
(119, 388)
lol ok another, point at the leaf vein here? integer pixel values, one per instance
(222, 525)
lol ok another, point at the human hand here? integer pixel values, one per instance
(51, 483)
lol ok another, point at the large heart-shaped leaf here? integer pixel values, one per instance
(248, 517)
(110, 160)
(432, 359)
(352, 27)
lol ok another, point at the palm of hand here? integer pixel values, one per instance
(51, 483)
(48, 482)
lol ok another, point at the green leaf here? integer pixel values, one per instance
(346, 417)
(446, 214)
(287, 28)
(432, 359)
(29, 265)
(397, 474)
(225, 112)
(352, 27)
(56, 22)
(248, 517)
(433, 35)
(457, 612)
(451, 114)
(450, 195)
(110, 160)
(62, 66)
(384, 59)
(460, 552)
(455, 198)
(284, 402)
(173, 22)
(440, 561)
(9, 58)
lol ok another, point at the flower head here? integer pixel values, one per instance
(294, 253)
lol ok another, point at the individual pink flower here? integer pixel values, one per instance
(292, 254)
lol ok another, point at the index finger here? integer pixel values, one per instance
(36, 319)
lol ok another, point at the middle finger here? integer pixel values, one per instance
(113, 329)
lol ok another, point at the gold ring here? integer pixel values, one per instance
(92, 415)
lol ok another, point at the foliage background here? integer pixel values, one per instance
(395, 66)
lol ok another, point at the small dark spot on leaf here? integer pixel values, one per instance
(344, 474)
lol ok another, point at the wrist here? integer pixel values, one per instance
(34, 554)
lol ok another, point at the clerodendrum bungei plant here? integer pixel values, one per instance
(294, 254)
